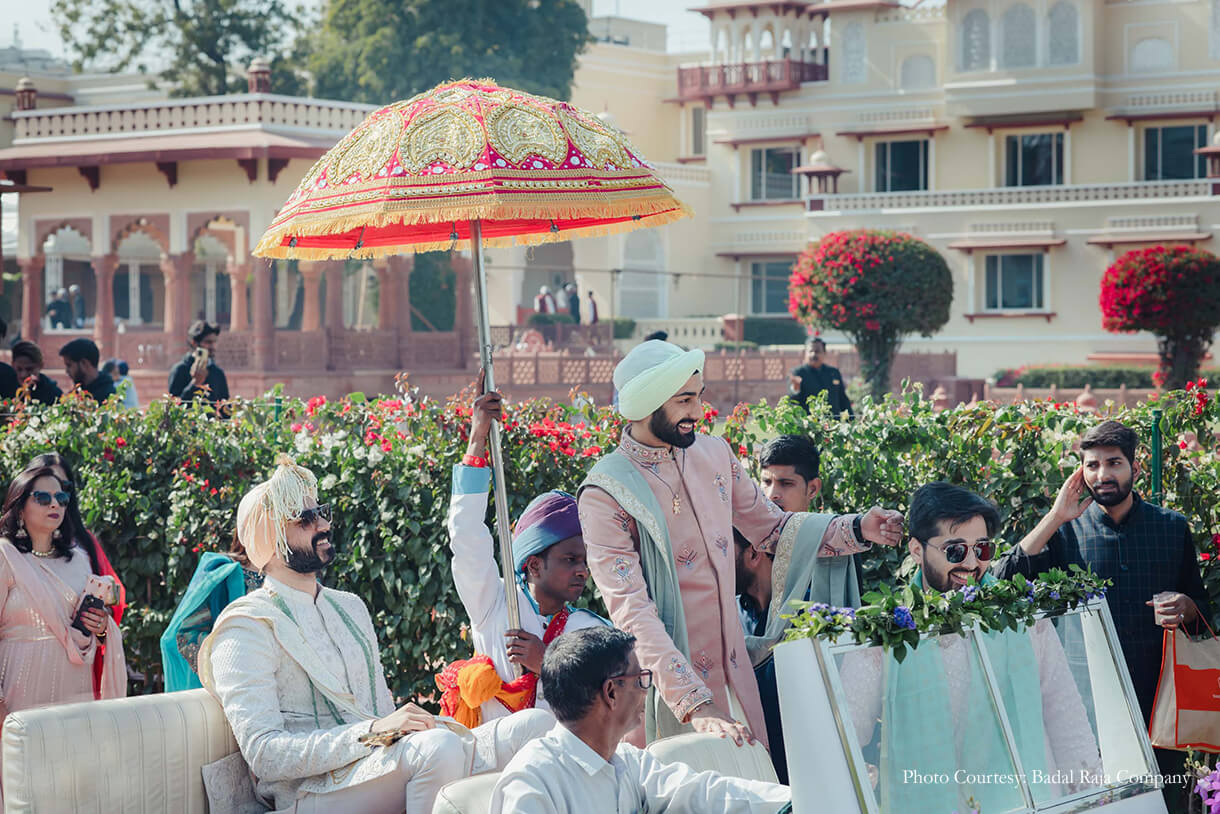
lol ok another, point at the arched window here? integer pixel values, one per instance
(721, 55)
(1018, 38)
(855, 54)
(747, 46)
(766, 44)
(1064, 33)
(642, 287)
(1151, 55)
(917, 72)
(786, 45)
(976, 41)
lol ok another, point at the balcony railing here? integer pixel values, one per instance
(215, 112)
(1010, 196)
(770, 76)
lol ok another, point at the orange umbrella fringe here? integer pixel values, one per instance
(278, 251)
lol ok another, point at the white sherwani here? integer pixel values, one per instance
(300, 680)
(561, 774)
(481, 588)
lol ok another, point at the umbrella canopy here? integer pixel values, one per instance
(415, 174)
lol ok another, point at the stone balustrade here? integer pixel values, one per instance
(1009, 196)
(206, 113)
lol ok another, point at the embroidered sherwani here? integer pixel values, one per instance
(703, 494)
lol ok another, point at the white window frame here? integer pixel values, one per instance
(1063, 170)
(925, 171)
(764, 261)
(796, 161)
(1142, 145)
(981, 271)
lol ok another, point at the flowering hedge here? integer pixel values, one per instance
(160, 487)
(876, 287)
(1174, 292)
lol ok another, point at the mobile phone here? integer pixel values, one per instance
(88, 602)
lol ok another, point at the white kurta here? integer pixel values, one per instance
(561, 774)
(481, 588)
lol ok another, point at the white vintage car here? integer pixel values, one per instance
(1038, 720)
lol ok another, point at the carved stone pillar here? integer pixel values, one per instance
(334, 295)
(176, 269)
(239, 319)
(402, 268)
(103, 318)
(264, 326)
(31, 297)
(386, 300)
(463, 322)
(311, 310)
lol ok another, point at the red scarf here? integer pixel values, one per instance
(105, 569)
(528, 682)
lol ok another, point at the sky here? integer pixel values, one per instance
(687, 30)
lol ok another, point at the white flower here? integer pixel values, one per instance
(328, 483)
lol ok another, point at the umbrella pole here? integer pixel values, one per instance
(497, 460)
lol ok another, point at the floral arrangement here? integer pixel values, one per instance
(895, 618)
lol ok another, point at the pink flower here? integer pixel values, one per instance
(120, 442)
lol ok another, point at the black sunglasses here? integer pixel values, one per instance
(44, 498)
(311, 515)
(956, 552)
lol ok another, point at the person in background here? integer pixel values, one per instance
(582, 766)
(60, 310)
(76, 301)
(123, 385)
(592, 308)
(544, 303)
(815, 376)
(573, 301)
(81, 357)
(27, 361)
(661, 335)
(45, 565)
(9, 382)
(198, 376)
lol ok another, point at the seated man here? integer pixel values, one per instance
(937, 696)
(597, 691)
(298, 671)
(549, 561)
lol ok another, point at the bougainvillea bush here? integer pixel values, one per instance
(876, 287)
(1173, 292)
(160, 487)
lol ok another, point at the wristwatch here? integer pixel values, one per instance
(857, 528)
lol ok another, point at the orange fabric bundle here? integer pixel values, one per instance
(467, 684)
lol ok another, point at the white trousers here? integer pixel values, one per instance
(429, 760)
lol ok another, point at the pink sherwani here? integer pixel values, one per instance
(714, 496)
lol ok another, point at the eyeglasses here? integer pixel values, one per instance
(45, 498)
(643, 679)
(311, 515)
(956, 552)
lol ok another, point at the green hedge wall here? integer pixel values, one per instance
(774, 331)
(161, 486)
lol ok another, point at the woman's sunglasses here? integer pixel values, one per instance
(956, 552)
(45, 498)
(311, 515)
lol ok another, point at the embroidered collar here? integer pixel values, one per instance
(642, 454)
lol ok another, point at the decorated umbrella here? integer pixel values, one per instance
(465, 165)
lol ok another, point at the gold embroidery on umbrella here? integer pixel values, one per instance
(448, 134)
(518, 132)
(597, 143)
(372, 149)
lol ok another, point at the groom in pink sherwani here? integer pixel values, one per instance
(658, 515)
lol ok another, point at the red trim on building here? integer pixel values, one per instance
(902, 130)
(1043, 243)
(1149, 237)
(1048, 315)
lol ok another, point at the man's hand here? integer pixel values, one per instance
(407, 718)
(794, 383)
(488, 407)
(708, 718)
(525, 649)
(1172, 610)
(882, 526)
(1069, 504)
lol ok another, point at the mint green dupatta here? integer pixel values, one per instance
(919, 733)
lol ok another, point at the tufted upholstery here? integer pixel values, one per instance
(703, 752)
(469, 796)
(140, 755)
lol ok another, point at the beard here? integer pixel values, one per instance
(668, 432)
(1114, 495)
(311, 562)
(943, 580)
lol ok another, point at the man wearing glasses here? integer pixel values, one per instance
(934, 704)
(597, 689)
(297, 668)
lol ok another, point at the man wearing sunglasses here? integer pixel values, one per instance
(597, 690)
(935, 733)
(297, 668)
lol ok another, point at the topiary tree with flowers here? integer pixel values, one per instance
(876, 287)
(1172, 292)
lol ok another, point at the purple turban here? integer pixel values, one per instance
(549, 518)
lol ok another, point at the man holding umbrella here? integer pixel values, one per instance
(658, 516)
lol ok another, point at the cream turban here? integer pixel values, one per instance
(267, 508)
(651, 374)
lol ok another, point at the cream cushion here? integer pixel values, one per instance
(704, 752)
(139, 754)
(471, 795)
